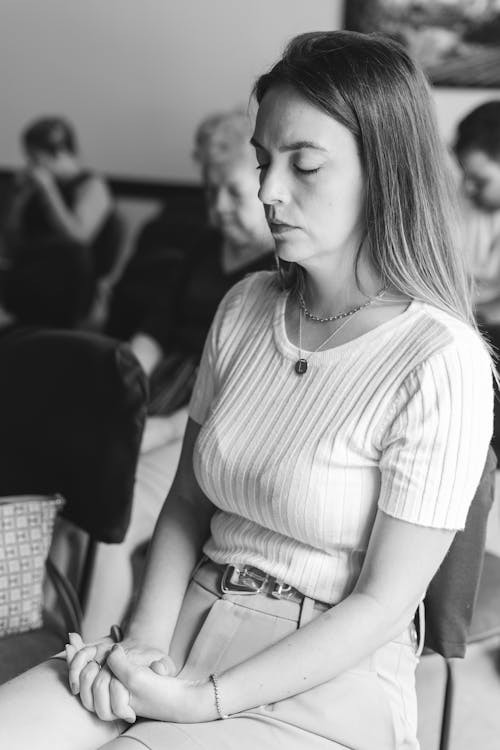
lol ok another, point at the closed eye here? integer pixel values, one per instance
(301, 170)
(306, 171)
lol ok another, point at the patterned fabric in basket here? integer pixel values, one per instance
(26, 526)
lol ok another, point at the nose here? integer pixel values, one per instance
(273, 189)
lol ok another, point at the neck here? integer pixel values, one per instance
(334, 292)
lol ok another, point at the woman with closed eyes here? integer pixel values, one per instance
(338, 430)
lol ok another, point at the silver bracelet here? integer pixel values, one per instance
(218, 703)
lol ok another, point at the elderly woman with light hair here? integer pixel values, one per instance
(169, 346)
(239, 237)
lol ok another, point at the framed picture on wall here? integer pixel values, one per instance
(456, 41)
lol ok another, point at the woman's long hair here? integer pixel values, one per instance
(369, 84)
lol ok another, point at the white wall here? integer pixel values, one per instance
(136, 76)
(453, 104)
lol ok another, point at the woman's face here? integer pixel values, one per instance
(38, 158)
(481, 176)
(311, 180)
(233, 203)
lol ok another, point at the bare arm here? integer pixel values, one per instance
(401, 560)
(83, 222)
(181, 530)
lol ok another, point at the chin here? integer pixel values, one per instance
(291, 252)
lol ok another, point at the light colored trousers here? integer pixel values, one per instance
(370, 707)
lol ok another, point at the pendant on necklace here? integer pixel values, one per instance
(301, 366)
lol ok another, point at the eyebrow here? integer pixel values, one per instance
(292, 146)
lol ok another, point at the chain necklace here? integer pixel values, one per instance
(339, 316)
(302, 363)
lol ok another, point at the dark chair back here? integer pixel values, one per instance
(72, 408)
(450, 598)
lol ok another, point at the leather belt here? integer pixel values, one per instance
(245, 580)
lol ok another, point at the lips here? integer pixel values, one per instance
(279, 227)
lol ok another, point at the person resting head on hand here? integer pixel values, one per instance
(62, 233)
(53, 171)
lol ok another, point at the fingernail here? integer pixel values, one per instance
(74, 688)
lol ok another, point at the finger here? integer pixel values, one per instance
(119, 698)
(159, 667)
(75, 640)
(87, 677)
(121, 666)
(100, 695)
(70, 652)
(164, 666)
(103, 648)
(78, 663)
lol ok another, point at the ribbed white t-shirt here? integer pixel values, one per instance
(399, 418)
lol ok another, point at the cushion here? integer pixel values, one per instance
(26, 526)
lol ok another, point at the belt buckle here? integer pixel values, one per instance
(229, 587)
(282, 590)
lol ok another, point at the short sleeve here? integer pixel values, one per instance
(435, 443)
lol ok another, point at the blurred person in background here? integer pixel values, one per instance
(61, 231)
(173, 318)
(477, 148)
(169, 331)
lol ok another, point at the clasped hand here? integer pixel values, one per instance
(133, 681)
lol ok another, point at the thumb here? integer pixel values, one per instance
(164, 666)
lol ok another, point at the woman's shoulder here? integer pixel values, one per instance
(437, 335)
(251, 297)
(253, 287)
(450, 330)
